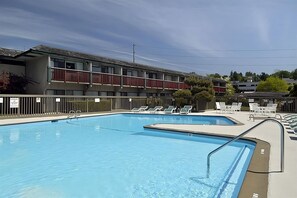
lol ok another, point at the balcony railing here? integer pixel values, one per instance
(183, 86)
(171, 85)
(68, 75)
(220, 89)
(133, 81)
(79, 76)
(154, 83)
(107, 79)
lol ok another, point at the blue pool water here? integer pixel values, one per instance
(114, 156)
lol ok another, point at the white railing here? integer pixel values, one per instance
(40, 105)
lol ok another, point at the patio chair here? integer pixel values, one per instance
(218, 107)
(223, 107)
(289, 115)
(234, 107)
(253, 106)
(289, 119)
(292, 127)
(239, 106)
(142, 108)
(289, 122)
(155, 109)
(186, 109)
(169, 110)
(271, 108)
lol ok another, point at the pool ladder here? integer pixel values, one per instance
(73, 114)
(246, 132)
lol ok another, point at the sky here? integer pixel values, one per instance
(201, 36)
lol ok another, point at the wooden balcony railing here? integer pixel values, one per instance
(68, 75)
(182, 85)
(154, 83)
(220, 89)
(108, 79)
(133, 81)
(171, 85)
(79, 76)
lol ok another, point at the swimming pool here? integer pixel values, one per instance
(114, 156)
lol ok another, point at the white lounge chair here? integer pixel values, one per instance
(186, 109)
(218, 107)
(155, 109)
(239, 106)
(253, 106)
(169, 110)
(225, 108)
(142, 108)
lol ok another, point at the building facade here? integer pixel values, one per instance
(63, 72)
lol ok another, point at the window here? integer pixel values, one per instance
(58, 63)
(152, 75)
(104, 69)
(96, 68)
(127, 72)
(70, 65)
(59, 92)
(110, 93)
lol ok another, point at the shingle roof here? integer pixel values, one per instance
(73, 54)
(9, 52)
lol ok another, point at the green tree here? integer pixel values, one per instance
(294, 74)
(215, 75)
(282, 74)
(14, 84)
(263, 76)
(293, 91)
(273, 84)
(230, 90)
(182, 97)
(234, 76)
(201, 89)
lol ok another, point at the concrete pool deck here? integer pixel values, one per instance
(280, 184)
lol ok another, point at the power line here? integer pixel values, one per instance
(275, 49)
(178, 55)
(193, 64)
(219, 64)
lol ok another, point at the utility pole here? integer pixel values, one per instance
(133, 53)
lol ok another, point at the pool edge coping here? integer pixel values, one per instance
(255, 183)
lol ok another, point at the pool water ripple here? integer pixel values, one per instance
(112, 156)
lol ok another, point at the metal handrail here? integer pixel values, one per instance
(245, 132)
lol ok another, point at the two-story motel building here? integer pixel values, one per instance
(63, 72)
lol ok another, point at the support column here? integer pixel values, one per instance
(163, 78)
(122, 77)
(91, 73)
(49, 70)
(144, 75)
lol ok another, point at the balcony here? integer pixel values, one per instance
(83, 77)
(182, 85)
(68, 75)
(133, 81)
(219, 89)
(154, 83)
(106, 79)
(171, 85)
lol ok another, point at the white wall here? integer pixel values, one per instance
(36, 69)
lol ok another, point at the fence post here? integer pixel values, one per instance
(110, 104)
(19, 106)
(87, 105)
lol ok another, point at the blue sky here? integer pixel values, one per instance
(199, 36)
